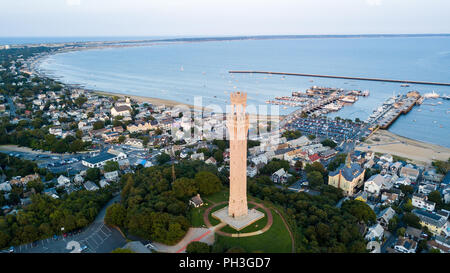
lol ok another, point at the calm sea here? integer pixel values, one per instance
(182, 71)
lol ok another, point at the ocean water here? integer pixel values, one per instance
(183, 71)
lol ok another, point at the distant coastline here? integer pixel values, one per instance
(216, 38)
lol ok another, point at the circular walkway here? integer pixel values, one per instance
(247, 234)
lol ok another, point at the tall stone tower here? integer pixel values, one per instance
(237, 123)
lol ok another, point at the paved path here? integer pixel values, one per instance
(204, 235)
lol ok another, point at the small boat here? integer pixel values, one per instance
(404, 85)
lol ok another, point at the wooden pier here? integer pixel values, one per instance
(403, 112)
(337, 77)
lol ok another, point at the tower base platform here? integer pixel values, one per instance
(238, 223)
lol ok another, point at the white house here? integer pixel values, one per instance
(280, 176)
(63, 181)
(198, 156)
(111, 176)
(103, 183)
(138, 143)
(421, 201)
(90, 186)
(122, 110)
(5, 187)
(375, 232)
(78, 179)
(427, 188)
(260, 159)
(373, 184)
(57, 131)
(387, 157)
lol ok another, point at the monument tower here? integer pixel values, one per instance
(237, 123)
(236, 214)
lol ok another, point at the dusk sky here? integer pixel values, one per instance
(221, 17)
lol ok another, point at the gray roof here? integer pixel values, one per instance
(431, 218)
(100, 158)
(348, 173)
(413, 232)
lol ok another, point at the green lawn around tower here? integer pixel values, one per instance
(275, 240)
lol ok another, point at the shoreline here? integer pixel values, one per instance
(417, 151)
(142, 99)
(172, 103)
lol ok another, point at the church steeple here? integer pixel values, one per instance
(348, 161)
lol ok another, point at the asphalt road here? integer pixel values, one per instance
(97, 237)
(390, 240)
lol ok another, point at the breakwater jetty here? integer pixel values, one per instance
(337, 77)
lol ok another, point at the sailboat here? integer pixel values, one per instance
(181, 69)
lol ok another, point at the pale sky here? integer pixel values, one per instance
(220, 17)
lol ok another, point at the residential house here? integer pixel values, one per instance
(252, 171)
(134, 142)
(280, 176)
(196, 201)
(434, 222)
(410, 172)
(385, 216)
(111, 176)
(90, 186)
(427, 188)
(78, 179)
(63, 181)
(198, 156)
(389, 197)
(211, 160)
(421, 201)
(121, 110)
(140, 126)
(375, 233)
(110, 136)
(413, 233)
(440, 242)
(103, 183)
(405, 245)
(373, 184)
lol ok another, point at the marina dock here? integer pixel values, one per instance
(387, 114)
(338, 77)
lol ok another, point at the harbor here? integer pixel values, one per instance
(319, 100)
(384, 116)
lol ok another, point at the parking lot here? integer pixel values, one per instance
(96, 238)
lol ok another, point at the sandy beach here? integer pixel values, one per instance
(421, 153)
(171, 103)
